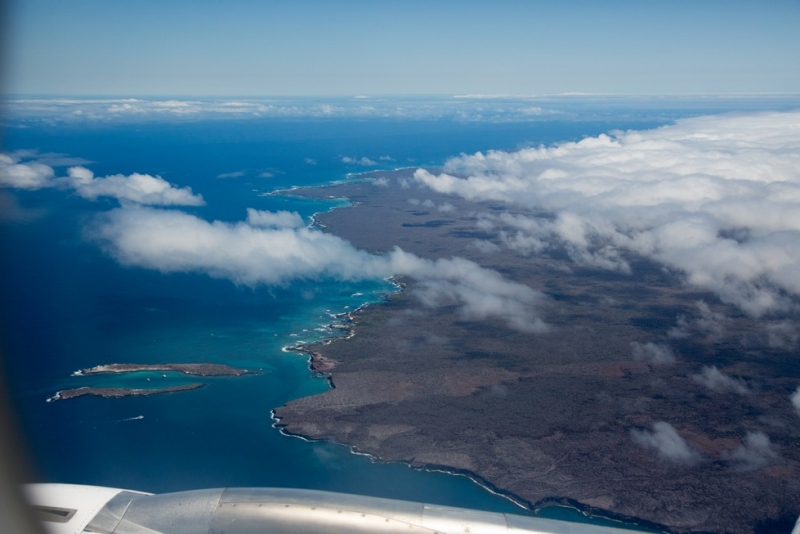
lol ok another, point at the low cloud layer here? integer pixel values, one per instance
(140, 109)
(138, 188)
(716, 198)
(667, 444)
(274, 248)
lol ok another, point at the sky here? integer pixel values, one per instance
(311, 47)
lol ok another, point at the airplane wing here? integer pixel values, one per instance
(75, 509)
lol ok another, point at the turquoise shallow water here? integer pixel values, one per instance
(67, 306)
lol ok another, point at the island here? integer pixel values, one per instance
(196, 369)
(193, 369)
(118, 392)
(583, 414)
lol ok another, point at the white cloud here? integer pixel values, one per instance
(653, 353)
(667, 443)
(782, 335)
(131, 109)
(234, 174)
(755, 453)
(53, 159)
(795, 398)
(709, 323)
(713, 324)
(273, 248)
(381, 182)
(484, 247)
(446, 207)
(716, 380)
(365, 161)
(186, 108)
(30, 175)
(139, 188)
(717, 198)
(274, 219)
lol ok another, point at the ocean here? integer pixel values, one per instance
(69, 306)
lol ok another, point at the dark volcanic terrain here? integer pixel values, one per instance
(567, 414)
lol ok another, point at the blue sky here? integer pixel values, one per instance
(200, 47)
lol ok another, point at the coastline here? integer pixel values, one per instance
(323, 365)
(595, 515)
(423, 387)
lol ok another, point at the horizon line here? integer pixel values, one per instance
(358, 96)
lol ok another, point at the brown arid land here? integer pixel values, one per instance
(572, 414)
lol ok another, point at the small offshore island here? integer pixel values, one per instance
(553, 418)
(193, 369)
(118, 392)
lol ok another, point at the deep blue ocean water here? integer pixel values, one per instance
(68, 306)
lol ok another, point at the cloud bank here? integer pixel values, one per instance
(274, 248)
(716, 198)
(137, 188)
